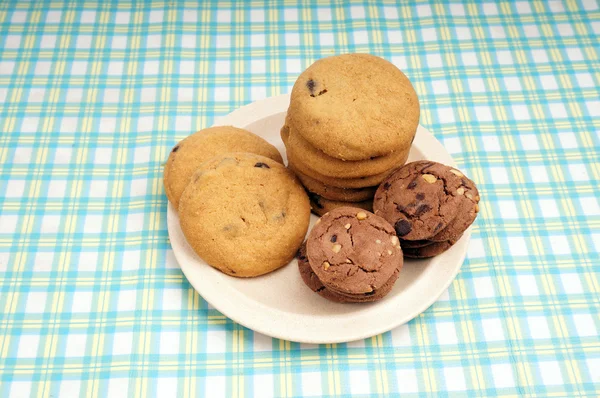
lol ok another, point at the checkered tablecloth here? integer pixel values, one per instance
(94, 94)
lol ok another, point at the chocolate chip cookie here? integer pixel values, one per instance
(334, 193)
(360, 182)
(192, 151)
(244, 214)
(353, 251)
(420, 199)
(354, 107)
(333, 167)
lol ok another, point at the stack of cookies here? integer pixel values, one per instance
(429, 204)
(351, 256)
(351, 121)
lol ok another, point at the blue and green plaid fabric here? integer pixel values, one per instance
(94, 94)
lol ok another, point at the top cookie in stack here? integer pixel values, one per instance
(351, 121)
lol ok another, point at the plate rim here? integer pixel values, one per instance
(256, 111)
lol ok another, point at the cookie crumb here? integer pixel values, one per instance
(430, 178)
(361, 215)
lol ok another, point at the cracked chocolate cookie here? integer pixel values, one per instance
(320, 205)
(314, 283)
(467, 211)
(333, 167)
(244, 214)
(192, 151)
(354, 107)
(353, 252)
(420, 199)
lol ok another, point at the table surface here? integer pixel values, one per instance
(94, 94)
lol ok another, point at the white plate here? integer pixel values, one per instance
(280, 304)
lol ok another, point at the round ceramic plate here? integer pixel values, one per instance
(279, 304)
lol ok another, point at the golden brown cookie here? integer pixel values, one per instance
(244, 214)
(333, 167)
(354, 107)
(361, 182)
(334, 193)
(192, 151)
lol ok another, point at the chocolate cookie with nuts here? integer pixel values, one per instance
(421, 199)
(467, 212)
(353, 251)
(314, 283)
